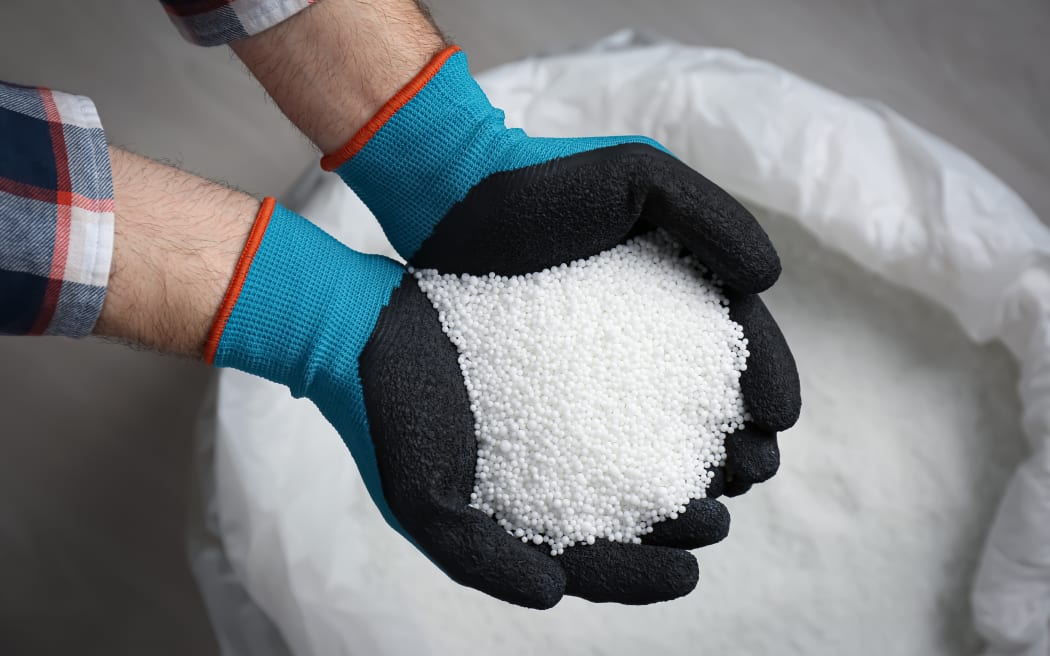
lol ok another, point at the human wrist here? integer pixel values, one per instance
(177, 239)
(332, 66)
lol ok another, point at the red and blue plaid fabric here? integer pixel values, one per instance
(56, 213)
(215, 22)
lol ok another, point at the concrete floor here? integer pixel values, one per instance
(94, 443)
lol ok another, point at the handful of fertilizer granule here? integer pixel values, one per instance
(602, 390)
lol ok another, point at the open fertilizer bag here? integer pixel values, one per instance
(905, 488)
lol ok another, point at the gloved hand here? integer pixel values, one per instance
(457, 191)
(356, 335)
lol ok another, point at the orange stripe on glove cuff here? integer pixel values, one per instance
(233, 291)
(332, 161)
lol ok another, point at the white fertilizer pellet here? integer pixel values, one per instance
(602, 390)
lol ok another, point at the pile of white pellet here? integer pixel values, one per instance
(601, 390)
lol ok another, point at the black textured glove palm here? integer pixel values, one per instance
(423, 430)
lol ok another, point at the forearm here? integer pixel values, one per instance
(177, 241)
(332, 67)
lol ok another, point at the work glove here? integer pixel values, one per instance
(456, 190)
(355, 334)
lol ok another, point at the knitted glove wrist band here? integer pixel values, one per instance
(299, 311)
(332, 161)
(244, 262)
(301, 306)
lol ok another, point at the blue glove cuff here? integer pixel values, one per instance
(299, 311)
(432, 143)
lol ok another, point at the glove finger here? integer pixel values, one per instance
(752, 455)
(628, 573)
(704, 522)
(770, 383)
(713, 225)
(524, 220)
(736, 486)
(475, 551)
(716, 487)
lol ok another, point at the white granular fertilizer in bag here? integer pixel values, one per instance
(602, 389)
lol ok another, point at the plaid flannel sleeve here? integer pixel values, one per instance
(56, 213)
(215, 22)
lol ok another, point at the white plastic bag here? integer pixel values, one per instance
(301, 535)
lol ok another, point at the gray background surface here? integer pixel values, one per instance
(94, 438)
